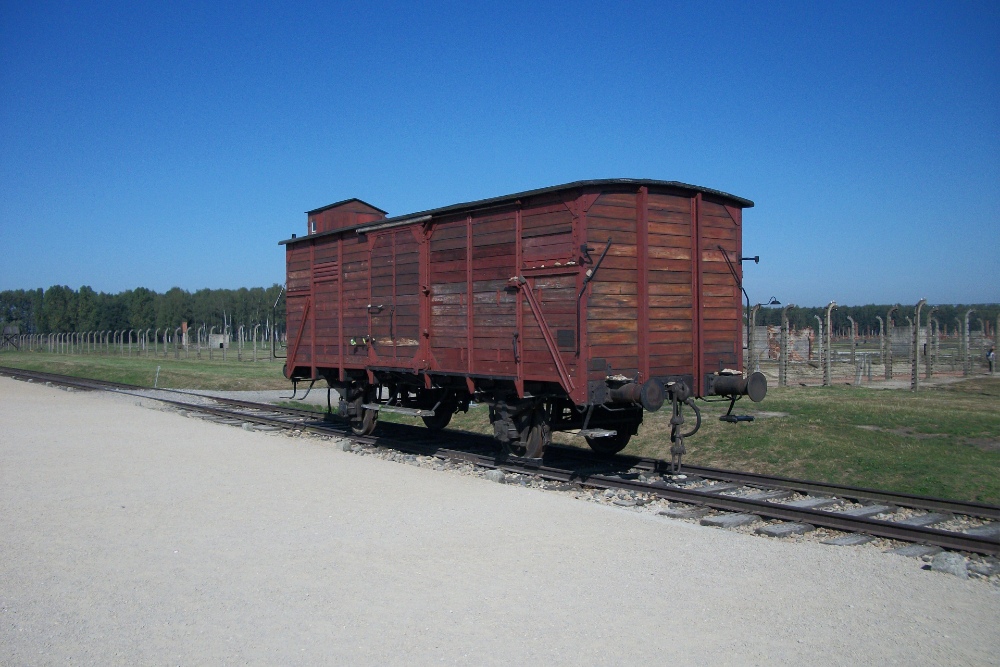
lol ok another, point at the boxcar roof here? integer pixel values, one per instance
(494, 201)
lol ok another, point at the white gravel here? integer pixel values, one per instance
(131, 536)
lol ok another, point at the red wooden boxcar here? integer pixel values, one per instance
(573, 307)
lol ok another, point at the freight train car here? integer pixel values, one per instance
(574, 308)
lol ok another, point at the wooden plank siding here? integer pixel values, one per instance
(722, 310)
(670, 292)
(654, 330)
(663, 303)
(612, 302)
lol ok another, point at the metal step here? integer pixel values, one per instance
(412, 412)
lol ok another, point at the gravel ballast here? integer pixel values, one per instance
(131, 535)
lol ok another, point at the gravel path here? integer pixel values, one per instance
(135, 536)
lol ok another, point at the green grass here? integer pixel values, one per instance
(942, 441)
(229, 375)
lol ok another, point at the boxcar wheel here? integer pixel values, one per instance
(440, 420)
(366, 424)
(535, 434)
(445, 405)
(610, 445)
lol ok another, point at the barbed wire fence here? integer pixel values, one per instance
(250, 342)
(898, 355)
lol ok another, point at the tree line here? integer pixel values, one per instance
(60, 309)
(984, 317)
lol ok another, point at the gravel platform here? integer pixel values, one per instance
(134, 536)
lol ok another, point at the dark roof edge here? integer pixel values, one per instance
(345, 201)
(495, 201)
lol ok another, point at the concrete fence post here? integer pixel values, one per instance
(928, 344)
(854, 341)
(751, 336)
(996, 344)
(966, 354)
(819, 340)
(958, 333)
(982, 340)
(888, 342)
(828, 368)
(937, 339)
(915, 348)
(909, 339)
(881, 337)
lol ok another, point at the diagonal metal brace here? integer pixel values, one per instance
(550, 341)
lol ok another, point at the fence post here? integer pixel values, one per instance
(915, 348)
(966, 353)
(819, 340)
(881, 337)
(783, 351)
(982, 339)
(854, 341)
(928, 344)
(828, 372)
(996, 343)
(937, 339)
(888, 342)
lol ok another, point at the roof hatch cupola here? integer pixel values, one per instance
(347, 213)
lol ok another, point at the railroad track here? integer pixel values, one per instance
(936, 522)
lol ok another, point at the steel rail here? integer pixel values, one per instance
(912, 501)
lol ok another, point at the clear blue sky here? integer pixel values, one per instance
(163, 144)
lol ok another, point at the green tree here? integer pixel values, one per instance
(59, 309)
(87, 309)
(142, 308)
